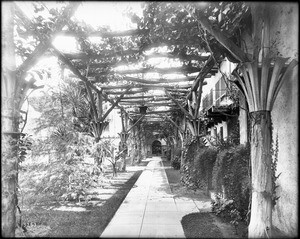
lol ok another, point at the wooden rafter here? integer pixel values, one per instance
(149, 105)
(103, 55)
(159, 81)
(168, 118)
(179, 104)
(147, 86)
(145, 101)
(108, 54)
(114, 104)
(204, 71)
(155, 112)
(142, 117)
(45, 44)
(132, 92)
(171, 70)
(81, 77)
(171, 55)
(220, 37)
(105, 34)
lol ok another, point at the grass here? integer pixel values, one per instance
(172, 174)
(88, 223)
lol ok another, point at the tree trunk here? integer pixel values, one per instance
(9, 126)
(114, 168)
(261, 206)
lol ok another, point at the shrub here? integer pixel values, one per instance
(187, 169)
(197, 172)
(231, 179)
(168, 154)
(226, 209)
(175, 161)
(203, 165)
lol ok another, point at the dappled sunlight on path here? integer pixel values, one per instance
(151, 209)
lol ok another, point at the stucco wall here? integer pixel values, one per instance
(243, 121)
(285, 120)
(284, 32)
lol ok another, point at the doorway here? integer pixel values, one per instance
(156, 147)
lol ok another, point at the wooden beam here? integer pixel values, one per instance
(135, 123)
(128, 93)
(222, 39)
(179, 129)
(152, 99)
(92, 102)
(33, 58)
(150, 104)
(146, 86)
(99, 104)
(155, 112)
(105, 34)
(159, 81)
(72, 68)
(81, 77)
(144, 102)
(180, 56)
(181, 90)
(137, 97)
(114, 104)
(26, 21)
(108, 54)
(204, 71)
(178, 103)
(170, 70)
(198, 98)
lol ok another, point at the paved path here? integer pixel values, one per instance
(150, 209)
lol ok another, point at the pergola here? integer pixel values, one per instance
(260, 76)
(134, 87)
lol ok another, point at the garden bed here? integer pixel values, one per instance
(79, 219)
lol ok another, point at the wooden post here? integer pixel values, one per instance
(9, 125)
(261, 206)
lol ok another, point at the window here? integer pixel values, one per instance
(221, 132)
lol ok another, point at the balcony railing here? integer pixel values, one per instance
(208, 100)
(220, 91)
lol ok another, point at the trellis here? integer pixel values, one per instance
(259, 79)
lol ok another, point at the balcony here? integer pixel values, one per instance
(217, 103)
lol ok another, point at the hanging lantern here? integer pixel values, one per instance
(143, 109)
(124, 136)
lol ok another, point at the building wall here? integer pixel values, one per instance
(114, 127)
(226, 67)
(284, 30)
(243, 121)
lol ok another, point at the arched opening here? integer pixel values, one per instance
(156, 147)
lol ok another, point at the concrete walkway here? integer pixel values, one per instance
(150, 209)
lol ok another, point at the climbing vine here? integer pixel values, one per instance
(274, 153)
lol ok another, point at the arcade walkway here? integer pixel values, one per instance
(150, 209)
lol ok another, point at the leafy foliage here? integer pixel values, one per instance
(177, 26)
(24, 145)
(231, 181)
(66, 179)
(274, 153)
(175, 161)
(197, 173)
(29, 32)
(225, 208)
